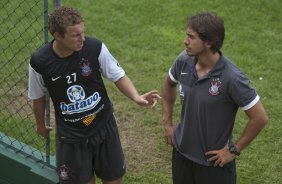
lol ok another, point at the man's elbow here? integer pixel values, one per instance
(264, 120)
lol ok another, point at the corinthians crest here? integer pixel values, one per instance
(215, 85)
(85, 67)
(64, 172)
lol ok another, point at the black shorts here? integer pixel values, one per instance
(185, 171)
(101, 154)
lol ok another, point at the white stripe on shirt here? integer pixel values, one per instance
(251, 104)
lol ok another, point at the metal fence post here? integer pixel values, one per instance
(47, 107)
(47, 99)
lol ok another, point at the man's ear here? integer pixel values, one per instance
(57, 36)
(208, 45)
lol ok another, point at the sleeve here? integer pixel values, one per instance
(172, 72)
(176, 67)
(36, 88)
(243, 93)
(109, 66)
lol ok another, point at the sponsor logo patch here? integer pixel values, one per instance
(79, 102)
(87, 121)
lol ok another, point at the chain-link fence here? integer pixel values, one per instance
(23, 29)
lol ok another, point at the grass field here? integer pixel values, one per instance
(146, 36)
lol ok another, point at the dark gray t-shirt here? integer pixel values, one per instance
(209, 105)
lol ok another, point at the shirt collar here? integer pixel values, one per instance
(217, 69)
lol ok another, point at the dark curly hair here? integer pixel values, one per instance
(62, 17)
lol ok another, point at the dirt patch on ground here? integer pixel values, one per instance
(15, 102)
(139, 146)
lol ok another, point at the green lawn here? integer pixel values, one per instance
(145, 36)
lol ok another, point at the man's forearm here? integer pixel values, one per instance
(39, 111)
(169, 97)
(125, 85)
(257, 120)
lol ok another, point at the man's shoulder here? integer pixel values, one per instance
(184, 59)
(92, 45)
(40, 55)
(92, 40)
(43, 49)
(232, 71)
(42, 52)
(230, 65)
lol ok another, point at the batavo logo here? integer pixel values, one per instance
(79, 101)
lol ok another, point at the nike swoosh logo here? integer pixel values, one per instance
(183, 73)
(54, 79)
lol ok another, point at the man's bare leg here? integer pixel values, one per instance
(92, 180)
(118, 181)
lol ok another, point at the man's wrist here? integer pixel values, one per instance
(233, 149)
(167, 122)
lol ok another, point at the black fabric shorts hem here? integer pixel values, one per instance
(100, 154)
